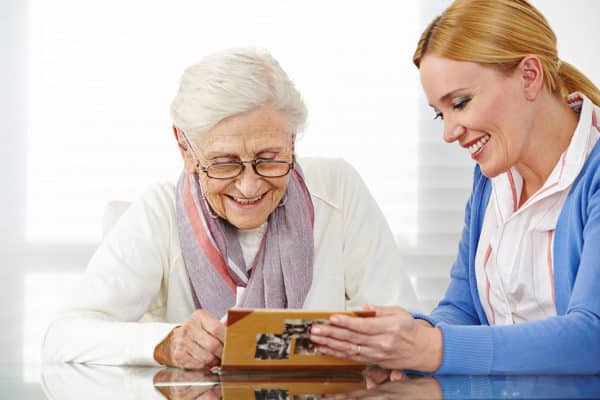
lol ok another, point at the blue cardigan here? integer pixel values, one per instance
(566, 344)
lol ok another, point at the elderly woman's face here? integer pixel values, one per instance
(248, 200)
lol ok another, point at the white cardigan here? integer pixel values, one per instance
(136, 288)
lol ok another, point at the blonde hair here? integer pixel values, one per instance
(501, 33)
(231, 82)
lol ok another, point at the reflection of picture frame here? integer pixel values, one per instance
(271, 394)
(296, 385)
(278, 339)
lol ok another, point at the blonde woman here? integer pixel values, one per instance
(523, 296)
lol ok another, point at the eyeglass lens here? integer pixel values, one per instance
(266, 168)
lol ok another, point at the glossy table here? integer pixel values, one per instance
(76, 381)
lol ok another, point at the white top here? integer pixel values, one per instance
(250, 240)
(514, 265)
(136, 288)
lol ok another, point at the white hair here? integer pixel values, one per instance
(231, 82)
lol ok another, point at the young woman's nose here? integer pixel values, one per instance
(452, 130)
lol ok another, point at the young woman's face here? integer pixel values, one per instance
(482, 108)
(247, 200)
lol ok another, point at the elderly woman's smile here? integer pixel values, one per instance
(247, 200)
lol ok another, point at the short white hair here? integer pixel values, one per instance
(231, 82)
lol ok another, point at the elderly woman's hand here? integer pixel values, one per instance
(197, 344)
(391, 339)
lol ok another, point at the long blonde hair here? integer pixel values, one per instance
(501, 33)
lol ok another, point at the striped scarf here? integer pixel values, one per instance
(283, 268)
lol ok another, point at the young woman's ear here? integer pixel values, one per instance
(531, 73)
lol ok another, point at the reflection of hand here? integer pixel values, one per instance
(197, 344)
(391, 339)
(204, 392)
(403, 387)
(375, 376)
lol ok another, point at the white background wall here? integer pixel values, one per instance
(85, 90)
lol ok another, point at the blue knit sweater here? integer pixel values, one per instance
(566, 344)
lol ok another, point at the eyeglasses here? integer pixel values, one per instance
(233, 169)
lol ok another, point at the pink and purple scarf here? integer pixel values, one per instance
(283, 268)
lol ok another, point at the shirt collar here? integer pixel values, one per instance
(507, 186)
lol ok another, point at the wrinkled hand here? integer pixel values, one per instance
(197, 344)
(191, 392)
(392, 339)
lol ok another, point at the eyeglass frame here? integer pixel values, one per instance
(241, 163)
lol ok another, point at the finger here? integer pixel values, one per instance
(188, 354)
(202, 359)
(195, 331)
(339, 334)
(370, 382)
(370, 325)
(190, 376)
(388, 310)
(330, 351)
(180, 392)
(213, 394)
(201, 392)
(163, 375)
(165, 391)
(215, 327)
(208, 342)
(397, 375)
(340, 348)
(377, 375)
(210, 324)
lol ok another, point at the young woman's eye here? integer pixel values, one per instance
(438, 115)
(461, 102)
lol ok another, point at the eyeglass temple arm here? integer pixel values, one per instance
(194, 154)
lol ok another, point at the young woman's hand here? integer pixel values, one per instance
(392, 339)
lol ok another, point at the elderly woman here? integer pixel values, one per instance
(245, 225)
(523, 296)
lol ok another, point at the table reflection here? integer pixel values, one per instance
(177, 384)
(77, 381)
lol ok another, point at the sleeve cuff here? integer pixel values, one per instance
(148, 338)
(467, 350)
(424, 317)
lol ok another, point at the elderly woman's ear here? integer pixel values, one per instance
(188, 159)
(180, 141)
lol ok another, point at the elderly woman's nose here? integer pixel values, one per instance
(248, 182)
